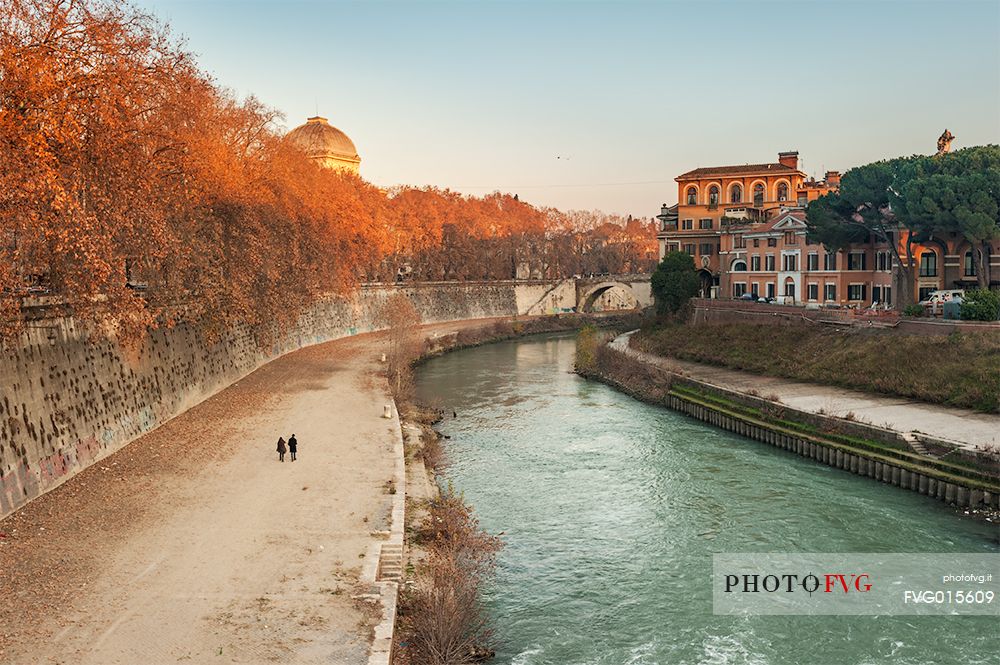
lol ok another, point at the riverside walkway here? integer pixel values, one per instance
(194, 544)
(963, 427)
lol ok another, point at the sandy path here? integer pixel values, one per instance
(963, 427)
(193, 544)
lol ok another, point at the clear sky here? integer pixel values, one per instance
(601, 104)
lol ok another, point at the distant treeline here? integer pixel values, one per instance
(130, 181)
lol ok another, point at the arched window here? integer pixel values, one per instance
(713, 195)
(782, 191)
(739, 266)
(970, 264)
(736, 194)
(692, 196)
(928, 264)
(758, 194)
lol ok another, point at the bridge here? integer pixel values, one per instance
(585, 294)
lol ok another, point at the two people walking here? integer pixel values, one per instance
(292, 447)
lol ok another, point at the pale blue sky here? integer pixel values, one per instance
(477, 96)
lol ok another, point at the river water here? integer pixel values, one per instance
(613, 508)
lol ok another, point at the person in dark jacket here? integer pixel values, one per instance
(281, 449)
(293, 445)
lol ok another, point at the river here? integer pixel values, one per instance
(613, 508)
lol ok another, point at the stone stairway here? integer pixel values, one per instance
(917, 445)
(390, 563)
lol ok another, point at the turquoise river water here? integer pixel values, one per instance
(613, 508)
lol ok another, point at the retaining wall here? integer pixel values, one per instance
(70, 397)
(653, 384)
(734, 311)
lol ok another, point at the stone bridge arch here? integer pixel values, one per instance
(590, 293)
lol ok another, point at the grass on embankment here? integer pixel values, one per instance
(961, 369)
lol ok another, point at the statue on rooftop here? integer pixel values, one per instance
(944, 143)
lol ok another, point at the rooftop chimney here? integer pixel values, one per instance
(789, 159)
(833, 178)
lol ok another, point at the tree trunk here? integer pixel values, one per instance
(982, 254)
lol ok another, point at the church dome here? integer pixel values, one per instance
(323, 142)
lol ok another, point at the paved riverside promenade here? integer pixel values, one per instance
(961, 426)
(194, 544)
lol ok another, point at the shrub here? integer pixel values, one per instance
(674, 283)
(913, 310)
(442, 614)
(981, 305)
(587, 342)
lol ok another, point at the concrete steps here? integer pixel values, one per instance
(917, 445)
(390, 564)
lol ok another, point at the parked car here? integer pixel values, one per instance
(751, 297)
(940, 297)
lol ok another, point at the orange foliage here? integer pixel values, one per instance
(131, 184)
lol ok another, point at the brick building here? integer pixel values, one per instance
(745, 227)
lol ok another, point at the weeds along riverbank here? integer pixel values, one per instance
(449, 558)
(960, 369)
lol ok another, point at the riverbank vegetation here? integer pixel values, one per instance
(442, 620)
(961, 369)
(138, 190)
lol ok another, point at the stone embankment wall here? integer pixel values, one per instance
(70, 397)
(734, 311)
(828, 440)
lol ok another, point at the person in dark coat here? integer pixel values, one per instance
(281, 449)
(293, 445)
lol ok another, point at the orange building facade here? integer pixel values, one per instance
(745, 227)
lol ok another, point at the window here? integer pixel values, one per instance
(739, 266)
(814, 292)
(831, 292)
(755, 290)
(876, 293)
(882, 261)
(856, 292)
(687, 224)
(705, 223)
(772, 242)
(769, 263)
(782, 191)
(928, 264)
(706, 249)
(689, 249)
(756, 242)
(736, 194)
(925, 292)
(830, 261)
(887, 294)
(755, 262)
(791, 238)
(970, 265)
(770, 289)
(790, 290)
(812, 262)
(789, 262)
(758, 194)
(739, 242)
(856, 261)
(713, 196)
(739, 288)
(692, 196)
